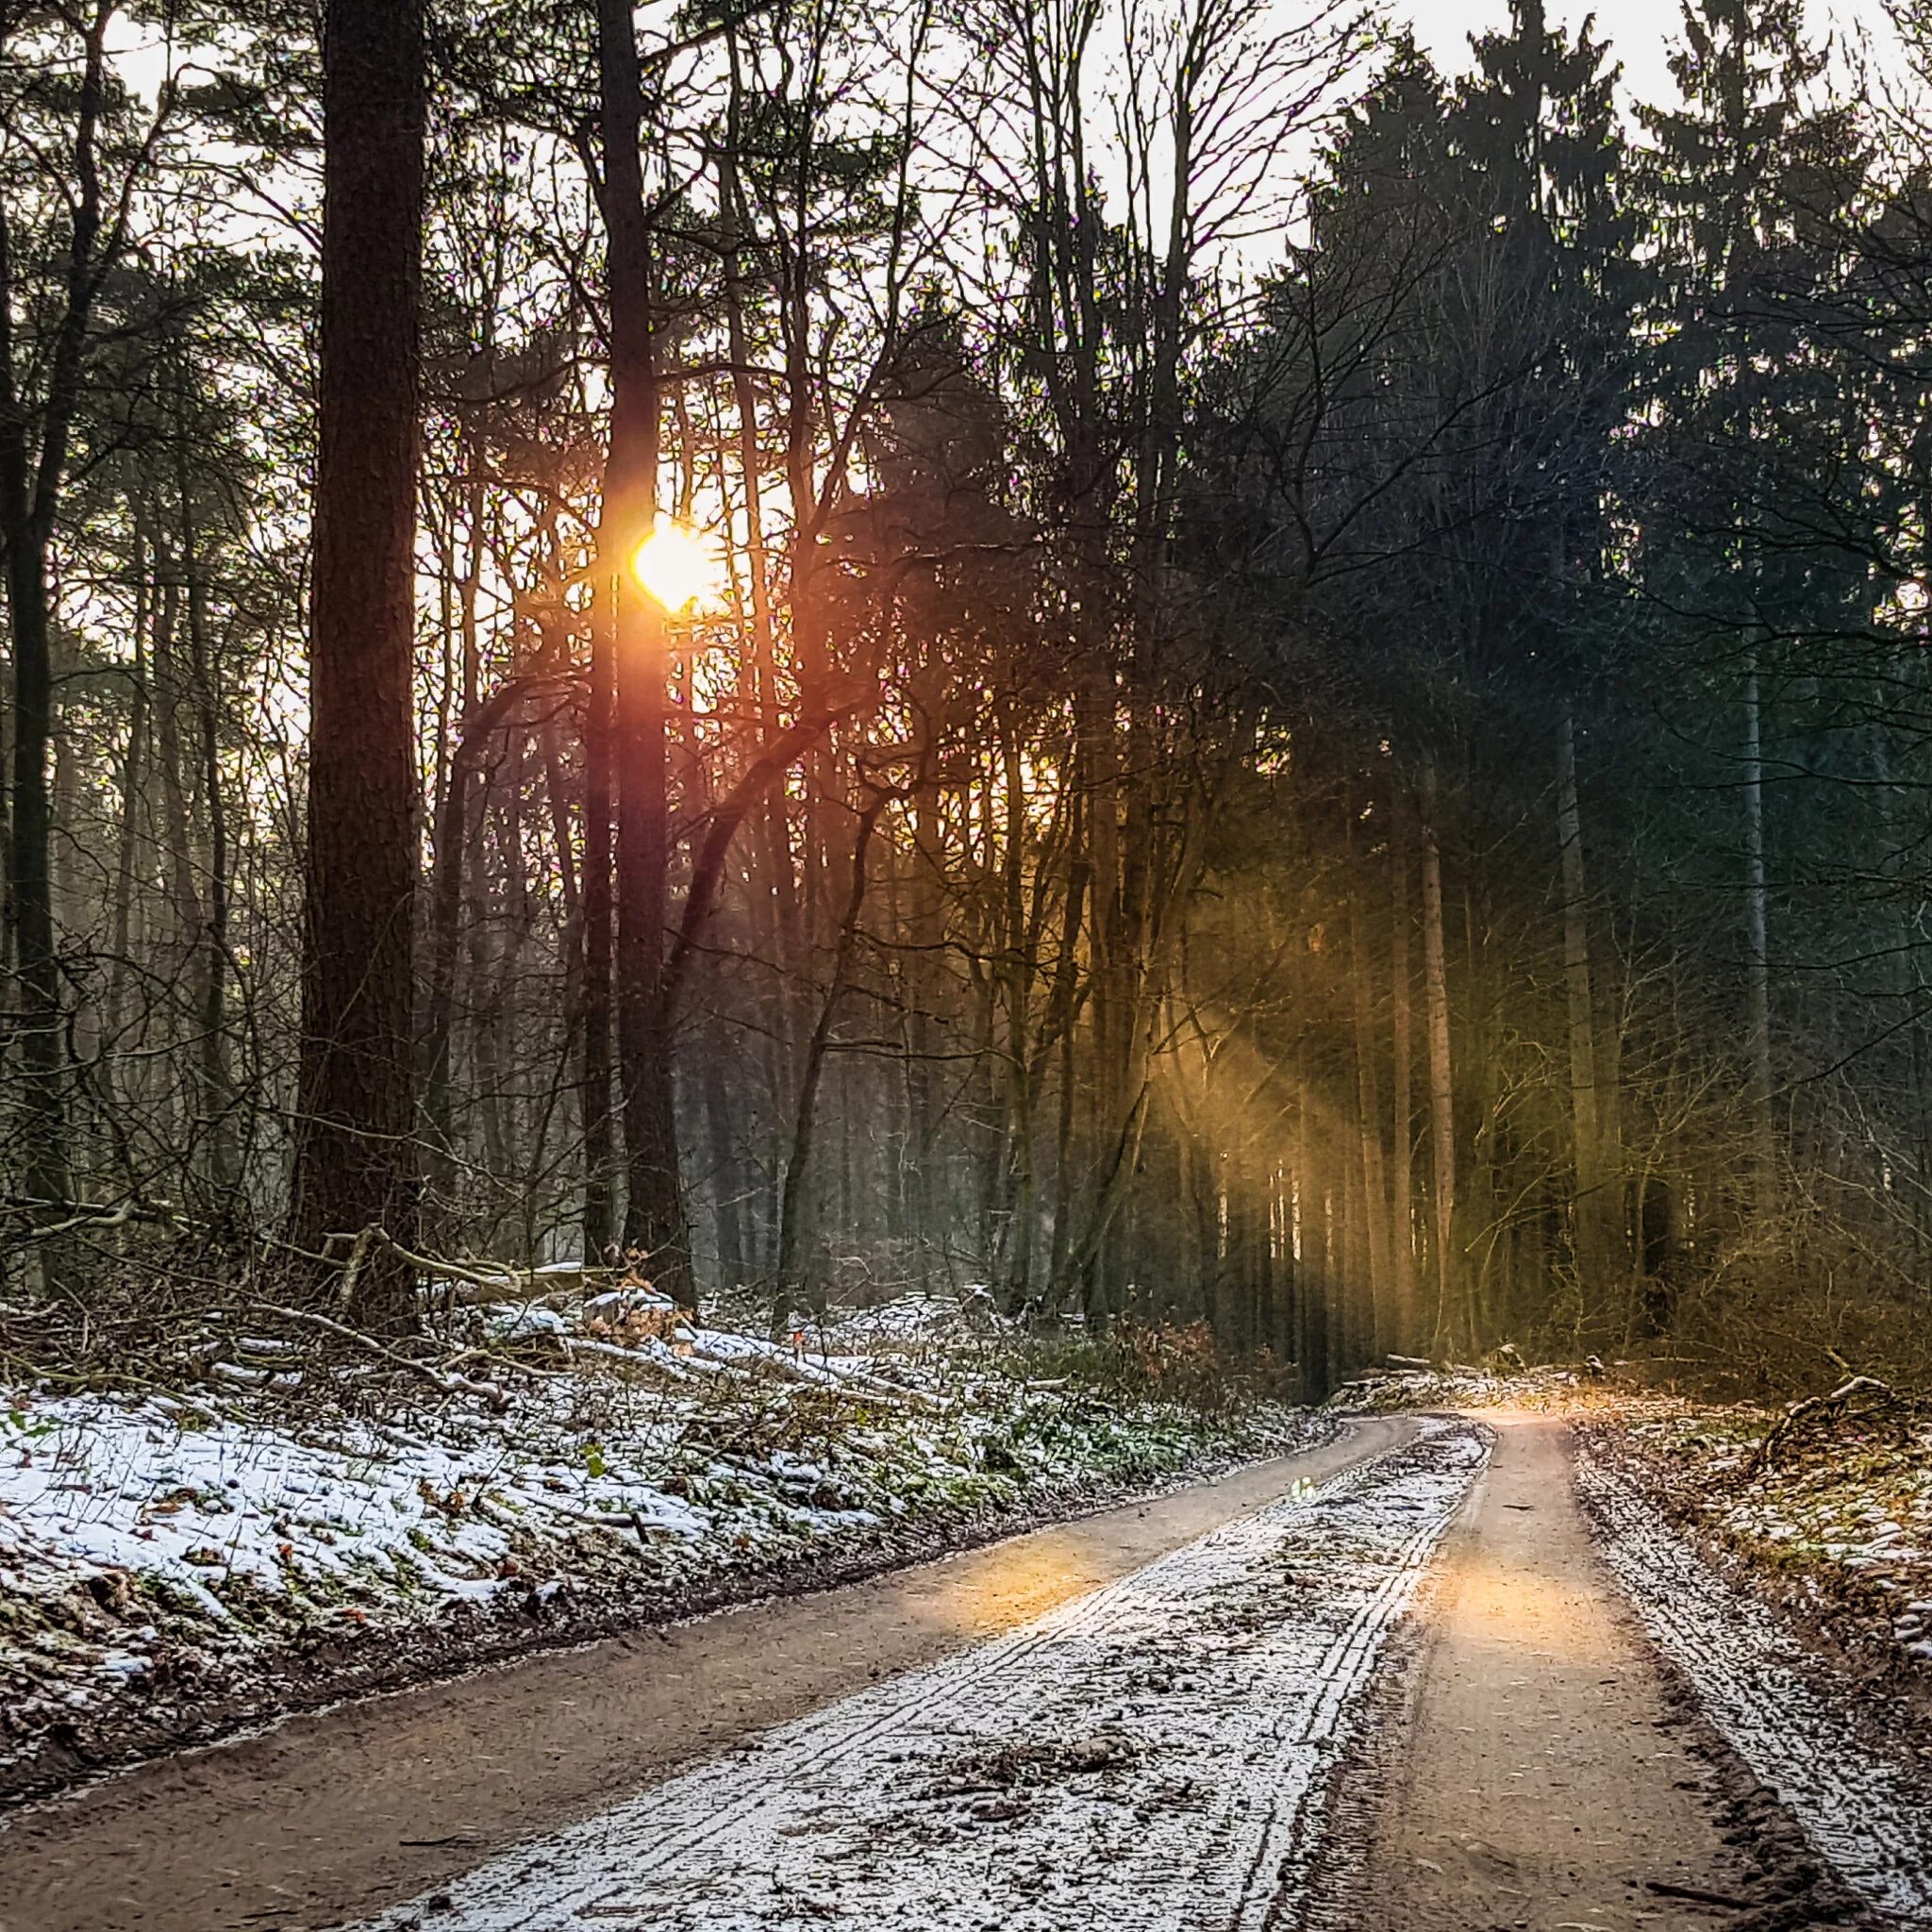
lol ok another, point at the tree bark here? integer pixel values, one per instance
(216, 1099)
(594, 1106)
(1401, 1168)
(30, 486)
(1764, 1148)
(727, 1188)
(792, 1209)
(133, 788)
(1598, 1209)
(654, 1220)
(1380, 1320)
(1442, 1080)
(355, 1148)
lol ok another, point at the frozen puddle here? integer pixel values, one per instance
(1866, 1816)
(1145, 1759)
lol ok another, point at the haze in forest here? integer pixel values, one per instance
(1302, 719)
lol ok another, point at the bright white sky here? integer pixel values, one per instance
(1640, 31)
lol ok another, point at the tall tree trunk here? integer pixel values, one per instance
(1379, 1325)
(1401, 1168)
(489, 941)
(1763, 1146)
(446, 875)
(1442, 1080)
(133, 785)
(30, 486)
(654, 1221)
(727, 1186)
(355, 1145)
(1598, 1210)
(600, 1227)
(216, 1099)
(776, 909)
(792, 1232)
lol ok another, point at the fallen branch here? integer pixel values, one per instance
(1816, 1406)
(89, 1214)
(498, 1280)
(448, 1383)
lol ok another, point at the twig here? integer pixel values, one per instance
(1696, 1894)
(449, 1384)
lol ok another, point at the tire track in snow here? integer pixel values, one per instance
(1143, 1758)
(1866, 1816)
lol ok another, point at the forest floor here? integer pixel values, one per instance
(276, 1531)
(1525, 1666)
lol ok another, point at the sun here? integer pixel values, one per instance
(676, 565)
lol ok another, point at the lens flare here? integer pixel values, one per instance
(677, 566)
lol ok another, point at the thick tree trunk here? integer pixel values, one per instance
(654, 1219)
(30, 881)
(355, 1146)
(600, 1225)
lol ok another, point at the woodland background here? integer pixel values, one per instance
(1315, 714)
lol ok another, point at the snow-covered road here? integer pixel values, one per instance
(1145, 1757)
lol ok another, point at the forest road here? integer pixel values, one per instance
(1413, 1698)
(336, 1815)
(1530, 1768)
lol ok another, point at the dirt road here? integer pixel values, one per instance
(331, 1817)
(1391, 1685)
(1147, 1759)
(1540, 1776)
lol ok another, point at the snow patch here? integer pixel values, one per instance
(1867, 1815)
(1151, 1755)
(203, 1531)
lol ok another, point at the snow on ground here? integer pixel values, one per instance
(147, 1540)
(1845, 1511)
(1151, 1755)
(1865, 1812)
(1545, 1386)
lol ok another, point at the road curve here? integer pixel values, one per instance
(336, 1815)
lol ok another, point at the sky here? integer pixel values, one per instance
(1640, 31)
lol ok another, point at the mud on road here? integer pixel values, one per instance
(1527, 1767)
(335, 1815)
